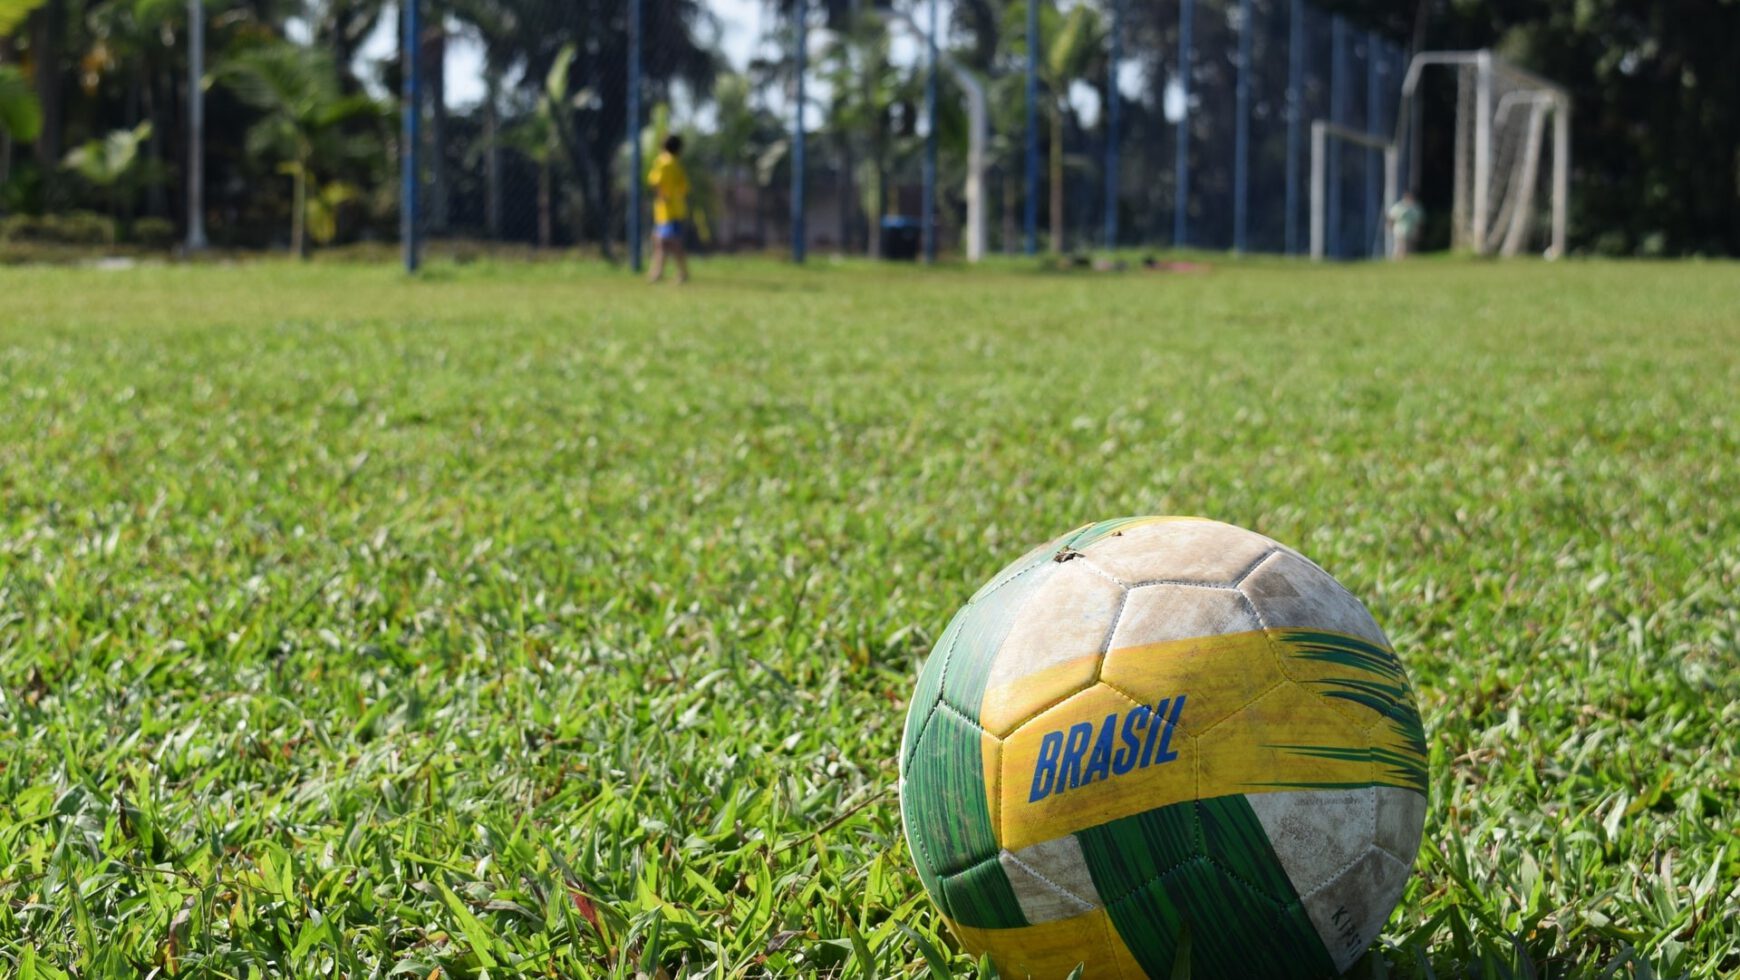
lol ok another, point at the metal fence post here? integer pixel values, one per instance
(800, 24)
(1116, 57)
(1030, 212)
(1242, 131)
(1338, 116)
(411, 134)
(1181, 160)
(1376, 67)
(195, 126)
(636, 176)
(928, 222)
(1295, 118)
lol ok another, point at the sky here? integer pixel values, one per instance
(741, 24)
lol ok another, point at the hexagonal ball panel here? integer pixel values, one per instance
(1053, 646)
(1317, 834)
(1179, 550)
(1288, 591)
(1155, 613)
(1217, 675)
(1287, 739)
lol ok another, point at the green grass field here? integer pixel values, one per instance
(527, 620)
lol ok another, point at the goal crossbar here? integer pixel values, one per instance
(1322, 131)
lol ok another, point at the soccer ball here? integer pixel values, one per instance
(1161, 738)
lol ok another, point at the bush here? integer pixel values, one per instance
(73, 228)
(86, 228)
(154, 232)
(12, 227)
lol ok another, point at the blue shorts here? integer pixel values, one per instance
(668, 229)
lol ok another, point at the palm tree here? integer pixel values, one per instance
(108, 162)
(298, 91)
(1071, 47)
(537, 135)
(495, 22)
(589, 123)
(872, 97)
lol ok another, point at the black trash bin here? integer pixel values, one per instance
(900, 238)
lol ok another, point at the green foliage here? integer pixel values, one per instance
(106, 162)
(524, 616)
(20, 112)
(72, 228)
(14, 12)
(323, 209)
(304, 111)
(153, 232)
(873, 112)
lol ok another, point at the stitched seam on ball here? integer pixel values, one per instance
(1186, 583)
(1385, 852)
(1005, 580)
(1151, 882)
(1054, 886)
(1126, 695)
(1265, 692)
(1313, 887)
(1236, 879)
(941, 684)
(963, 869)
(946, 706)
(1082, 557)
(1239, 579)
(1377, 841)
(1042, 709)
(1106, 926)
(1111, 633)
(1333, 878)
(994, 801)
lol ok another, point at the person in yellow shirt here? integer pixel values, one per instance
(670, 185)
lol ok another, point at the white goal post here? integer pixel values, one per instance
(1501, 116)
(1321, 133)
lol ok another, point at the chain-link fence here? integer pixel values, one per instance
(901, 129)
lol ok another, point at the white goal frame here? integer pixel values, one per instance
(1474, 224)
(1321, 133)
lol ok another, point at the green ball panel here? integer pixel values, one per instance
(1205, 871)
(982, 897)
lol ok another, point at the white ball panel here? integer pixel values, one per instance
(1401, 820)
(1058, 632)
(1156, 613)
(1316, 834)
(1184, 550)
(1289, 591)
(1051, 879)
(1350, 910)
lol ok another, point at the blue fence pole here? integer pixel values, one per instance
(928, 219)
(1375, 70)
(800, 25)
(1030, 213)
(410, 134)
(636, 176)
(1113, 133)
(1337, 115)
(1295, 118)
(1242, 131)
(1181, 160)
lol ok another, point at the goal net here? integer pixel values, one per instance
(1510, 192)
